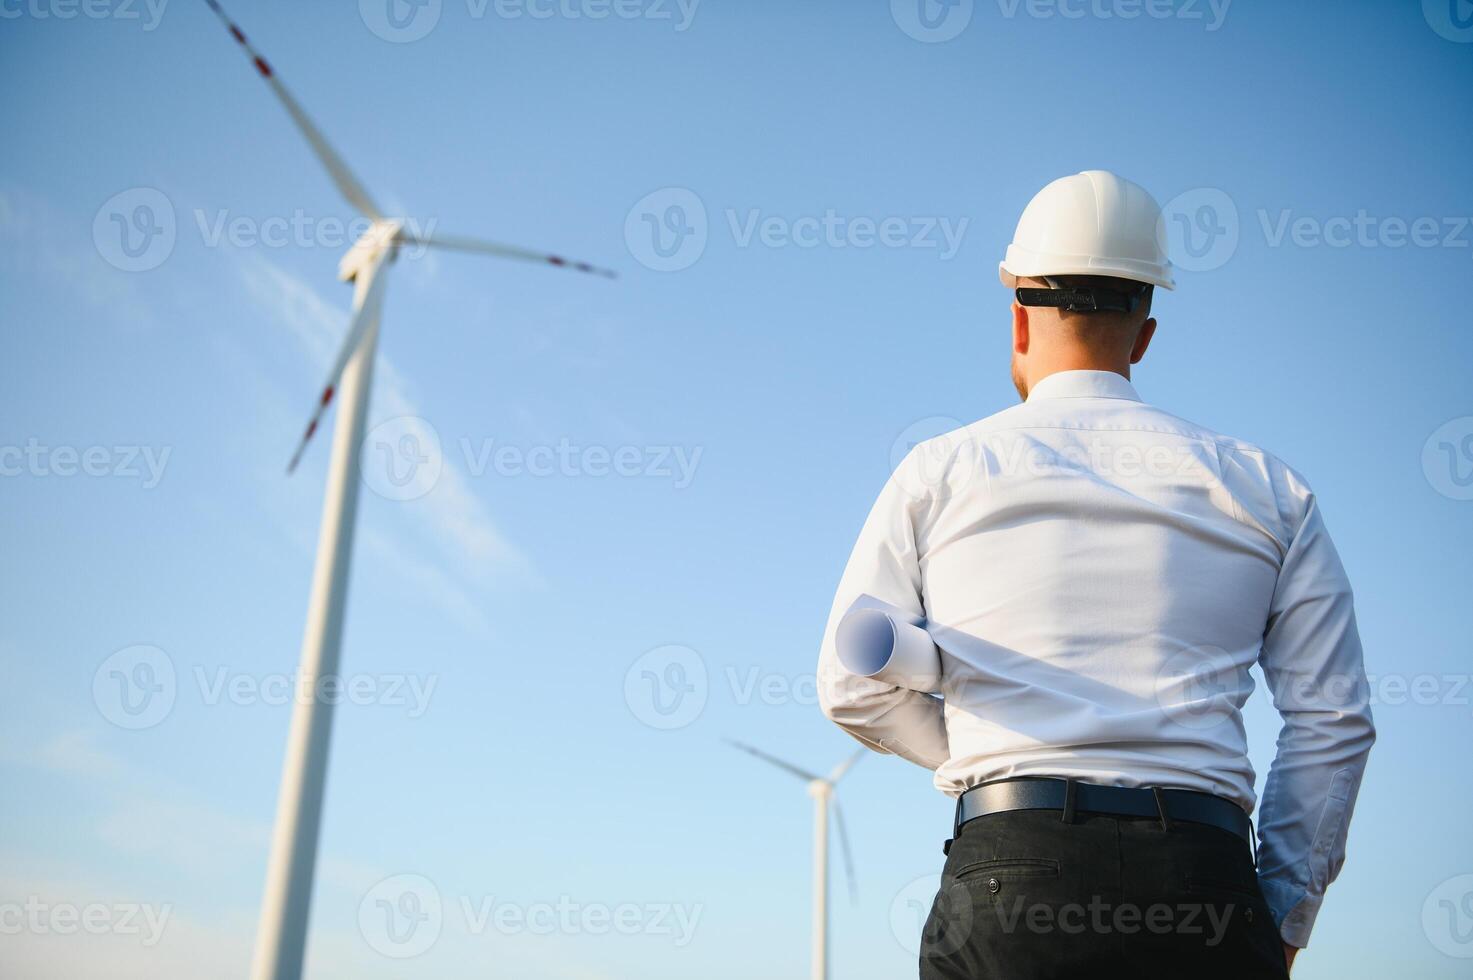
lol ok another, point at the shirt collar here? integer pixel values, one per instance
(1084, 384)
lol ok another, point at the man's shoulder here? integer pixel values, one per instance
(1270, 467)
(1138, 415)
(1127, 415)
(1268, 491)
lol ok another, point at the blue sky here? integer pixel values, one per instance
(755, 373)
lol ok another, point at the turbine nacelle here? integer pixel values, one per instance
(367, 251)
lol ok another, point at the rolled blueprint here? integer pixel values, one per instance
(880, 641)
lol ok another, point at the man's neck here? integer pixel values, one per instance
(1078, 364)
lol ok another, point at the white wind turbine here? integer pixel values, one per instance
(281, 937)
(821, 788)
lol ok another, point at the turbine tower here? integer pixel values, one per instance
(821, 788)
(282, 934)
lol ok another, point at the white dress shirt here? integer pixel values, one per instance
(1099, 576)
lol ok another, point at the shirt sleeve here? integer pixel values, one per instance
(884, 564)
(1312, 662)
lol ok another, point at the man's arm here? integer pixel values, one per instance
(1312, 661)
(884, 565)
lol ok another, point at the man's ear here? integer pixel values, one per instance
(1143, 340)
(1020, 328)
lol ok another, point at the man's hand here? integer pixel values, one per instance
(1289, 953)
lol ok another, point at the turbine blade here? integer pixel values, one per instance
(348, 184)
(361, 318)
(785, 766)
(844, 849)
(461, 243)
(846, 765)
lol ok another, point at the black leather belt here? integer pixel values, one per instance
(1072, 797)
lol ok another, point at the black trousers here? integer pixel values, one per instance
(1025, 896)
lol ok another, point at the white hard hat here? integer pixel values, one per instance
(1091, 224)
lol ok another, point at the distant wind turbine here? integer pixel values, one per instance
(282, 934)
(821, 788)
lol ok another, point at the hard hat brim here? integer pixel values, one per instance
(1021, 263)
